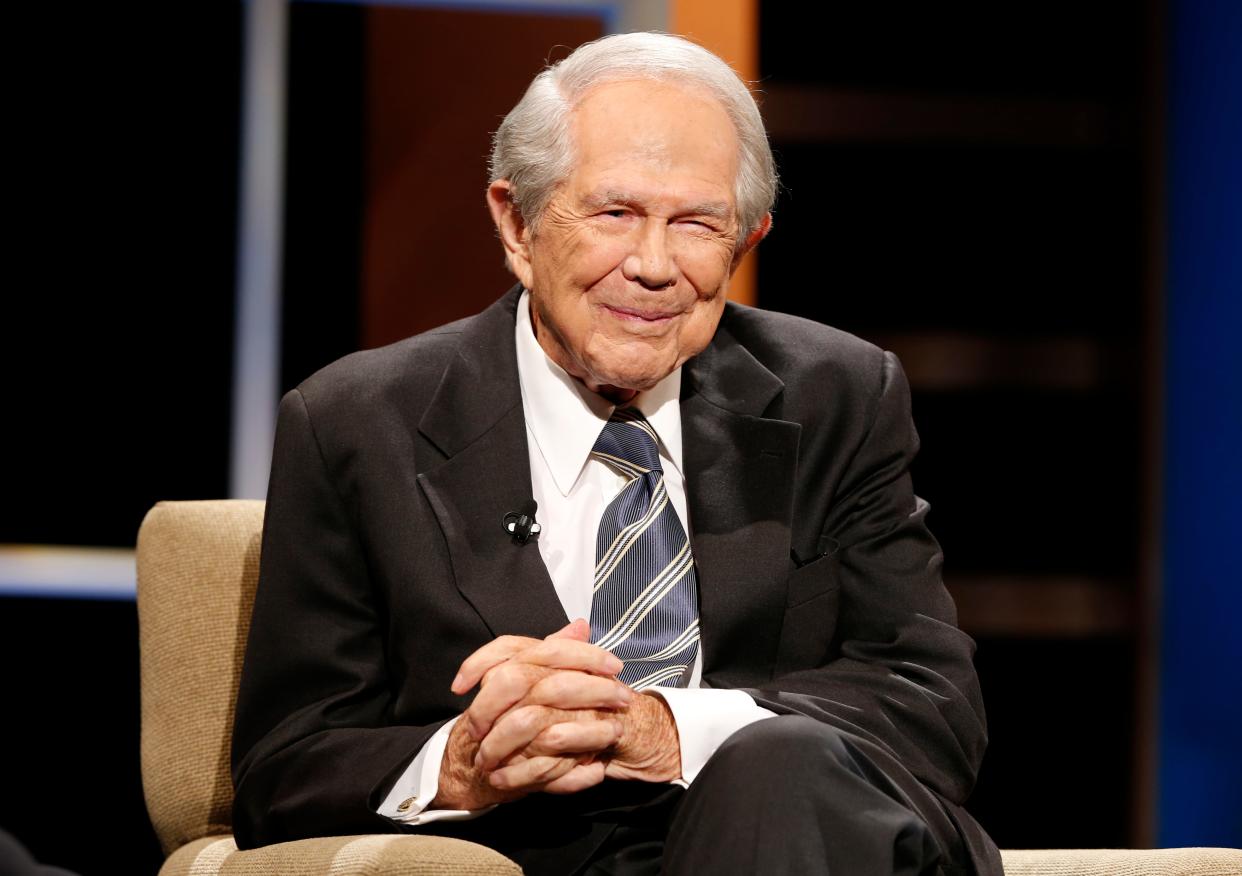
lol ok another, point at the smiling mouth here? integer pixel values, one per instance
(638, 314)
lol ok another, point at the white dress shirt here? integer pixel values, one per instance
(563, 421)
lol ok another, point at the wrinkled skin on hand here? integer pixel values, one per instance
(550, 716)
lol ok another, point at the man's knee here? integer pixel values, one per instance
(792, 795)
(783, 749)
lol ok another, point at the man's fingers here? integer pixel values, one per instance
(495, 652)
(506, 687)
(577, 690)
(517, 732)
(531, 774)
(572, 654)
(575, 737)
(513, 733)
(503, 648)
(581, 777)
(511, 685)
(578, 628)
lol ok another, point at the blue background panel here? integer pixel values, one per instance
(1200, 773)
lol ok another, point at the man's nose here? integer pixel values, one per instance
(651, 263)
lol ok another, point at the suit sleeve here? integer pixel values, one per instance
(898, 672)
(312, 754)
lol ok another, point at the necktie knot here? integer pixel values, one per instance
(628, 442)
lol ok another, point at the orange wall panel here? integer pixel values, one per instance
(439, 82)
(730, 28)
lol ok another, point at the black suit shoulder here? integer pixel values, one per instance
(406, 372)
(779, 339)
(826, 372)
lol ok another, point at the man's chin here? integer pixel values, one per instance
(615, 394)
(614, 385)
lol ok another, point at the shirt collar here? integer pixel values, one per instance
(565, 418)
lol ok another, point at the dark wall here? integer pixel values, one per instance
(73, 787)
(117, 347)
(126, 183)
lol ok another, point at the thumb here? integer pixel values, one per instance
(576, 629)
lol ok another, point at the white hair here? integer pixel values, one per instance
(532, 149)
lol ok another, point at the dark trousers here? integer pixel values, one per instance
(786, 795)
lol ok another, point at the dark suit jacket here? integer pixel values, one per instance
(384, 564)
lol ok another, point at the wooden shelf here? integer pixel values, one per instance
(808, 114)
(1043, 606)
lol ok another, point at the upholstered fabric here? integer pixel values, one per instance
(391, 855)
(198, 565)
(1123, 862)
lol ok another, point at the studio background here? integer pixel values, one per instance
(1035, 205)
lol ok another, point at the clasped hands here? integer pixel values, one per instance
(551, 716)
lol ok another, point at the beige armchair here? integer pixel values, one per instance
(198, 564)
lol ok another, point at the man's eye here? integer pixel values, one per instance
(615, 214)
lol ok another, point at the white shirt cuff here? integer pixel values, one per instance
(409, 798)
(705, 718)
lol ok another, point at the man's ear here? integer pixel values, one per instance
(512, 229)
(753, 239)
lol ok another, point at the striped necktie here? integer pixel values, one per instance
(644, 606)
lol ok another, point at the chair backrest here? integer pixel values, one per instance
(198, 565)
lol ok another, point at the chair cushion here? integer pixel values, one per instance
(1122, 862)
(391, 855)
(198, 565)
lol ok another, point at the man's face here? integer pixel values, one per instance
(630, 263)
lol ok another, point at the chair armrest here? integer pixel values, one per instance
(1122, 862)
(379, 855)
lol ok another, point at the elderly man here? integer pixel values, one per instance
(724, 646)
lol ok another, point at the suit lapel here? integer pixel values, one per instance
(476, 420)
(740, 469)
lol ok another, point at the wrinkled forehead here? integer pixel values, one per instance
(663, 126)
(659, 106)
